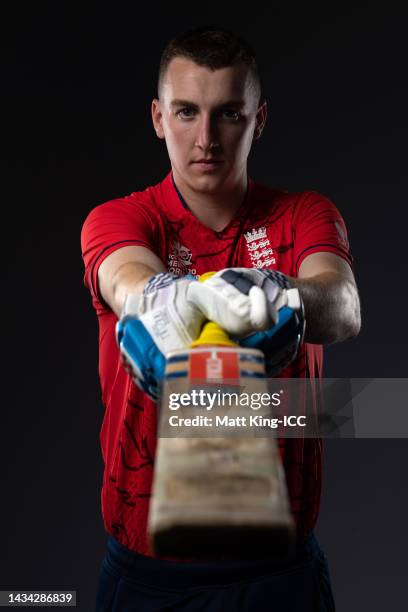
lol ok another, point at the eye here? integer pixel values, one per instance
(185, 113)
(231, 114)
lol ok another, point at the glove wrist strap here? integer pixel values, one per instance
(131, 305)
(158, 281)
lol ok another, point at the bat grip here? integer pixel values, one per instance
(212, 334)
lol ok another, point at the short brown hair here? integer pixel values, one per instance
(211, 47)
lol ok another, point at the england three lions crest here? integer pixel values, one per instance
(259, 248)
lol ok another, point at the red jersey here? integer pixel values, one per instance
(272, 229)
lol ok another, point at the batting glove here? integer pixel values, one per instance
(163, 318)
(244, 300)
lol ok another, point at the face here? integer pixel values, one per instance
(209, 120)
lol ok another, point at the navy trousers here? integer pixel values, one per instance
(130, 582)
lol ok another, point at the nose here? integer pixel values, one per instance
(206, 138)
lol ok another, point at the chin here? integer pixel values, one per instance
(208, 183)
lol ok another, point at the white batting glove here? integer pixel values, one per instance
(244, 300)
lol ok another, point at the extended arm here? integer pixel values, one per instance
(124, 271)
(330, 297)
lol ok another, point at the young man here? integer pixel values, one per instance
(208, 215)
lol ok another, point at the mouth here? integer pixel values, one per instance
(208, 164)
(207, 160)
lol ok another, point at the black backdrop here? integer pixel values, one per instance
(76, 98)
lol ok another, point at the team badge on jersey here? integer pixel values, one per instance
(259, 248)
(180, 260)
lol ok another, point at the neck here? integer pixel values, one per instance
(214, 209)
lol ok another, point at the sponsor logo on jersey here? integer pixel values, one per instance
(259, 248)
(180, 260)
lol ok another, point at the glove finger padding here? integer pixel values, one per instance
(236, 303)
(281, 342)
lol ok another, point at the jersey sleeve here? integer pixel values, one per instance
(108, 227)
(318, 226)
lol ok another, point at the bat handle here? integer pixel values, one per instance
(212, 334)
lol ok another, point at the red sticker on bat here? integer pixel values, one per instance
(215, 364)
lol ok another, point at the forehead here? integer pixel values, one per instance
(186, 80)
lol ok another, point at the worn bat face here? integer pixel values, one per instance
(215, 495)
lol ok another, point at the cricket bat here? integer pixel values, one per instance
(212, 496)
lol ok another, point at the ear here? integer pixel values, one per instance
(261, 115)
(157, 117)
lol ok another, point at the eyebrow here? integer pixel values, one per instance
(235, 103)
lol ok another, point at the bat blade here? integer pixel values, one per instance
(217, 497)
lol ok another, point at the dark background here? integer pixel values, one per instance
(76, 99)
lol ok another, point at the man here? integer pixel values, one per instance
(141, 255)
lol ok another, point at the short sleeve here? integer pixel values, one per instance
(108, 227)
(318, 226)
